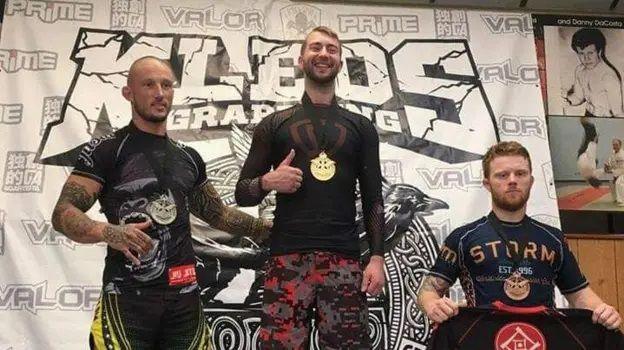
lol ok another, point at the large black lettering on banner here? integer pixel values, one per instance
(424, 95)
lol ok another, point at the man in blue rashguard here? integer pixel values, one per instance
(507, 256)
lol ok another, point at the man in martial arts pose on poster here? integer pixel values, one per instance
(615, 167)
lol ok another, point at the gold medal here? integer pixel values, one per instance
(322, 167)
(517, 287)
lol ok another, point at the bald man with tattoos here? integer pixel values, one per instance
(147, 184)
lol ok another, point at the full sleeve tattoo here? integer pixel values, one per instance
(69, 215)
(207, 205)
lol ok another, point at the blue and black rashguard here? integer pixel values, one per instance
(478, 256)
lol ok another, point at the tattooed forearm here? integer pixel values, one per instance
(207, 205)
(431, 288)
(114, 234)
(68, 216)
(238, 222)
(435, 284)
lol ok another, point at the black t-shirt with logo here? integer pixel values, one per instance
(320, 215)
(478, 256)
(136, 169)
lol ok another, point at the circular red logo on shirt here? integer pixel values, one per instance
(519, 336)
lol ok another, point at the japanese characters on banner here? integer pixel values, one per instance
(440, 85)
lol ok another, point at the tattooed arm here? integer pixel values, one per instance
(207, 205)
(77, 197)
(69, 218)
(432, 299)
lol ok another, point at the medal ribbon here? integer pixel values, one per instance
(498, 228)
(320, 131)
(159, 171)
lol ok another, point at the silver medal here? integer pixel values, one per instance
(162, 210)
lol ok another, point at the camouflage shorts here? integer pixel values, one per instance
(298, 284)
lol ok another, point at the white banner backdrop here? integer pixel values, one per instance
(440, 85)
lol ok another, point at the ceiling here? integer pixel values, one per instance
(590, 7)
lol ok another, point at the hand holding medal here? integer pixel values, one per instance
(285, 178)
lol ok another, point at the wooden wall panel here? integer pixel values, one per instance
(598, 263)
(573, 244)
(619, 273)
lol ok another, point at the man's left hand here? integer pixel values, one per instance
(374, 279)
(607, 316)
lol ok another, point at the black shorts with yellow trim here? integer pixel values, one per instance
(150, 319)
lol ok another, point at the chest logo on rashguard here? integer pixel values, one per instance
(517, 287)
(322, 167)
(519, 336)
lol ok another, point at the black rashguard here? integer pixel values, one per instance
(121, 163)
(320, 215)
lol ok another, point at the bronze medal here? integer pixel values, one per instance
(517, 287)
(322, 167)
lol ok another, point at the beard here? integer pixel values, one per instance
(508, 204)
(321, 80)
(144, 113)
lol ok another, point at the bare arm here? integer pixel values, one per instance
(433, 302)
(77, 196)
(207, 205)
(604, 314)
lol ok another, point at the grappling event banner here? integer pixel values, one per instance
(440, 86)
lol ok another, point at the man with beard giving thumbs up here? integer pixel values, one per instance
(318, 150)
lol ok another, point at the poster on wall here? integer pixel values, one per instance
(440, 86)
(581, 64)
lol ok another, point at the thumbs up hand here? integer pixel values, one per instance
(285, 178)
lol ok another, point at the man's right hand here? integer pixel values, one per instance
(129, 239)
(285, 178)
(440, 310)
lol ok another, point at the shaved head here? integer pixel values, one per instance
(132, 71)
(150, 89)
